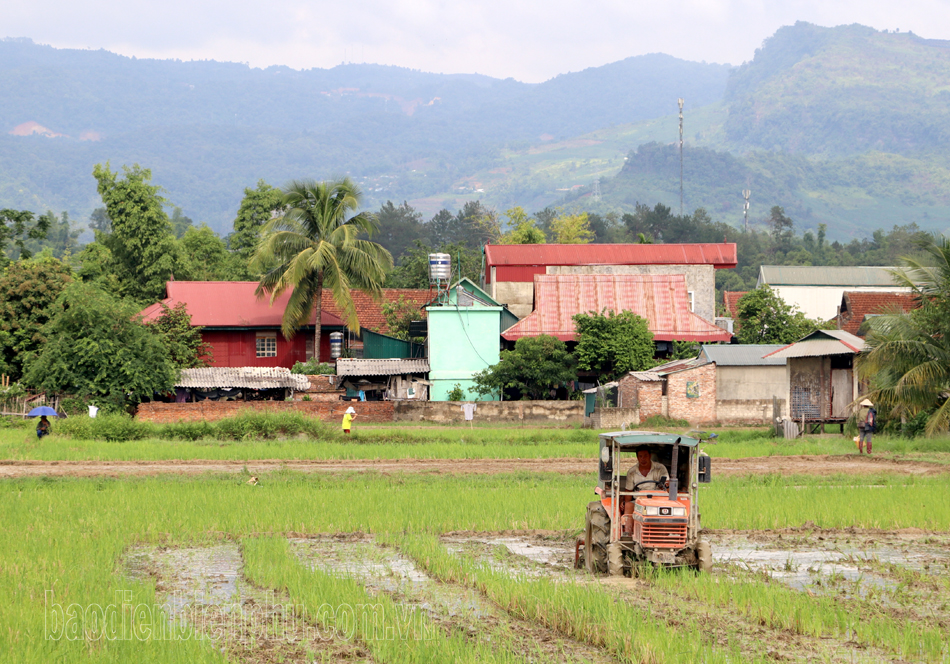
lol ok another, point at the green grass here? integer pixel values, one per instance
(68, 535)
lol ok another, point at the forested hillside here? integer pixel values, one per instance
(208, 129)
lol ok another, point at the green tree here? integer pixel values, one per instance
(535, 367)
(96, 347)
(180, 223)
(613, 344)
(144, 254)
(60, 239)
(207, 256)
(763, 317)
(181, 340)
(28, 289)
(572, 229)
(315, 245)
(399, 227)
(398, 315)
(521, 229)
(413, 268)
(907, 359)
(258, 207)
(17, 227)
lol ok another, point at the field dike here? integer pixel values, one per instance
(785, 595)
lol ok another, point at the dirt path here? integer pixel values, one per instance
(782, 465)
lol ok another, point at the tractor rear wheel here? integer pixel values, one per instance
(704, 556)
(597, 538)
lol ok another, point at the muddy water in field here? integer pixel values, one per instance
(207, 596)
(454, 607)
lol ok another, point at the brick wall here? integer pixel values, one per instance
(367, 411)
(490, 411)
(613, 419)
(321, 389)
(698, 409)
(646, 396)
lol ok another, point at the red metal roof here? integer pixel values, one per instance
(661, 299)
(856, 305)
(719, 255)
(217, 304)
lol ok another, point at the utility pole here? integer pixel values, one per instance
(681, 100)
(745, 207)
(595, 191)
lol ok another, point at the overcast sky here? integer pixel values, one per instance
(530, 40)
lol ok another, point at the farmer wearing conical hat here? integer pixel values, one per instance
(867, 420)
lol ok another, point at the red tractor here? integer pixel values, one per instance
(647, 515)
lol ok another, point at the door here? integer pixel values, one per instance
(841, 392)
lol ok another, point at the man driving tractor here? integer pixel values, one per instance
(647, 474)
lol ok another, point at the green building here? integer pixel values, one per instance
(465, 327)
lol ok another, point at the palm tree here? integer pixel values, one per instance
(314, 245)
(908, 356)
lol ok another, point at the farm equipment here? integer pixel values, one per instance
(654, 522)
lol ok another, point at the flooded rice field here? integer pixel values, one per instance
(901, 579)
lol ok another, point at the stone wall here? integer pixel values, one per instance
(693, 409)
(209, 411)
(490, 411)
(746, 411)
(613, 419)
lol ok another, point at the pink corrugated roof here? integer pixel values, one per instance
(719, 255)
(660, 299)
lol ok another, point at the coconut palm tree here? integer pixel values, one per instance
(908, 356)
(314, 245)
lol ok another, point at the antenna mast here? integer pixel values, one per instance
(680, 101)
(745, 207)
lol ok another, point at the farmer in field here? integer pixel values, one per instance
(348, 418)
(867, 420)
(42, 427)
(648, 471)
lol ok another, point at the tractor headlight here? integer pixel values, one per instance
(605, 454)
(679, 511)
(653, 511)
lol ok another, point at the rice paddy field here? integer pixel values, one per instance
(411, 544)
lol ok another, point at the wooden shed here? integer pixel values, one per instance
(822, 382)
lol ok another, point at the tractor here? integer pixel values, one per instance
(655, 522)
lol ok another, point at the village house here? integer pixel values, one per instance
(243, 330)
(817, 290)
(510, 270)
(859, 307)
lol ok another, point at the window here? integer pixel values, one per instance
(267, 346)
(691, 296)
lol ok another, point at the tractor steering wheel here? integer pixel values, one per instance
(657, 483)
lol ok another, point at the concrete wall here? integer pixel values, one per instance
(701, 279)
(613, 419)
(747, 411)
(446, 412)
(694, 410)
(462, 342)
(822, 302)
(209, 411)
(744, 394)
(518, 295)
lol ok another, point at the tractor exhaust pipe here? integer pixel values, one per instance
(673, 480)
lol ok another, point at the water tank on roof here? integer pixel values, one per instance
(336, 345)
(440, 268)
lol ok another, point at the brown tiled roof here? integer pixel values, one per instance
(370, 311)
(731, 299)
(856, 305)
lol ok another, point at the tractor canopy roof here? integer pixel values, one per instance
(631, 439)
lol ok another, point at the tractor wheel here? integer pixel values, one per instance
(614, 559)
(597, 538)
(704, 556)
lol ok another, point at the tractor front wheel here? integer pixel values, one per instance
(597, 537)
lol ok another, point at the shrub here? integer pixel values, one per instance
(313, 368)
(664, 422)
(117, 427)
(457, 393)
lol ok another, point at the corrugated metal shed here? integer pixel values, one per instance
(647, 376)
(378, 346)
(822, 342)
(660, 299)
(807, 275)
(720, 255)
(346, 366)
(257, 378)
(743, 355)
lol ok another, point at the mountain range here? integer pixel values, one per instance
(846, 126)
